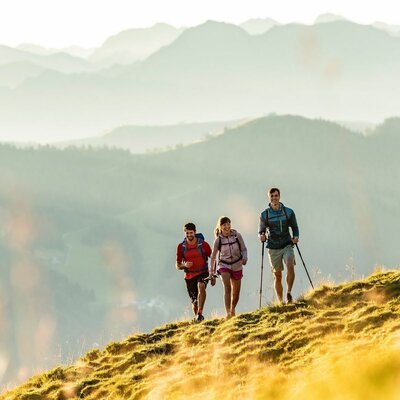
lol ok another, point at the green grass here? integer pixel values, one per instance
(337, 342)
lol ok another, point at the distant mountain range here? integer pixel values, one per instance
(74, 51)
(134, 45)
(328, 17)
(14, 73)
(61, 62)
(216, 71)
(142, 139)
(257, 26)
(154, 139)
(391, 29)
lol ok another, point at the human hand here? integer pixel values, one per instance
(295, 240)
(244, 262)
(188, 264)
(263, 238)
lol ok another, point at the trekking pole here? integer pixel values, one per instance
(262, 268)
(297, 247)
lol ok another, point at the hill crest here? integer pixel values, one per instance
(332, 333)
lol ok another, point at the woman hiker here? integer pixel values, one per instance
(232, 255)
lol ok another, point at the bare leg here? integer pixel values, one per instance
(235, 284)
(201, 298)
(290, 274)
(278, 285)
(226, 280)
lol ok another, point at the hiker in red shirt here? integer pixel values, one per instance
(191, 256)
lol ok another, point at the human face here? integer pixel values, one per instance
(190, 235)
(226, 228)
(274, 198)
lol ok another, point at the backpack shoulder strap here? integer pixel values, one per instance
(200, 240)
(200, 246)
(238, 242)
(184, 248)
(284, 210)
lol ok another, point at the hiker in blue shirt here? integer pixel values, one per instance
(274, 229)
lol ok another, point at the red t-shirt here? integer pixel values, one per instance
(193, 254)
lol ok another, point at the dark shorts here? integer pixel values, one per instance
(192, 285)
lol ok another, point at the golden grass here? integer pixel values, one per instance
(338, 342)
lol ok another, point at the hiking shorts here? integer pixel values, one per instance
(236, 275)
(278, 256)
(192, 287)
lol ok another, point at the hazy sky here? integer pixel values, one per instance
(58, 23)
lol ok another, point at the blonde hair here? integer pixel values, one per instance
(220, 222)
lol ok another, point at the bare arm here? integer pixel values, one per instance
(243, 248)
(262, 227)
(213, 267)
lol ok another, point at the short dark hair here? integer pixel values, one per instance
(274, 189)
(190, 226)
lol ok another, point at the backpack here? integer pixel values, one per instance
(267, 217)
(200, 240)
(240, 249)
(284, 211)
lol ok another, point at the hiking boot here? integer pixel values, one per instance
(289, 298)
(199, 318)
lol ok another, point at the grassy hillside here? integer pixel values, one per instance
(337, 342)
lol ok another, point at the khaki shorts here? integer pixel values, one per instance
(277, 256)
